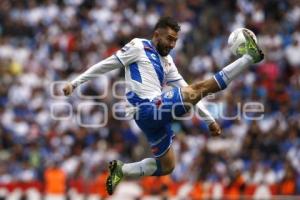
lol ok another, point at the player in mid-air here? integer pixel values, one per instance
(148, 66)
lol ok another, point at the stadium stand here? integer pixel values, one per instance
(44, 152)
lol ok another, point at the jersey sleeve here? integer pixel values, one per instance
(129, 53)
(123, 57)
(101, 67)
(173, 75)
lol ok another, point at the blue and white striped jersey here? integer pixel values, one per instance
(146, 71)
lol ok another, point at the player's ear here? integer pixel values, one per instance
(156, 33)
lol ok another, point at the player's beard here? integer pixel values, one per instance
(162, 50)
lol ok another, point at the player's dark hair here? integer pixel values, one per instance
(165, 22)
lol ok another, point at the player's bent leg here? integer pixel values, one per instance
(167, 162)
(163, 165)
(158, 166)
(251, 54)
(196, 91)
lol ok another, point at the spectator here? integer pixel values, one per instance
(55, 183)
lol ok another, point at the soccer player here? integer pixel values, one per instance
(148, 66)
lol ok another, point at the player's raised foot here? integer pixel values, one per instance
(115, 176)
(251, 48)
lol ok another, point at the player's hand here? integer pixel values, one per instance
(214, 129)
(68, 89)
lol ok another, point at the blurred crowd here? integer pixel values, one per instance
(46, 42)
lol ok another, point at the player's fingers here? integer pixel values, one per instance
(66, 91)
(215, 129)
(217, 132)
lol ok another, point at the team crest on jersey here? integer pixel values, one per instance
(169, 94)
(153, 56)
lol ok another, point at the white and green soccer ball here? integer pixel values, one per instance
(236, 40)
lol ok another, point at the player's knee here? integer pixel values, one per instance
(168, 167)
(191, 94)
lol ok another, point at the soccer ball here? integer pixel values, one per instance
(237, 40)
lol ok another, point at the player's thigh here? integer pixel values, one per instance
(168, 161)
(196, 91)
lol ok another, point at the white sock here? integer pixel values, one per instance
(145, 167)
(231, 71)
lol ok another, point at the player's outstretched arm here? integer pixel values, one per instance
(102, 67)
(123, 57)
(68, 89)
